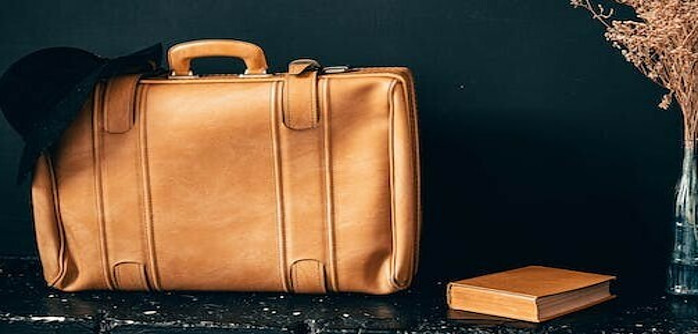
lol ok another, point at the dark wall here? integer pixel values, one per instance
(540, 144)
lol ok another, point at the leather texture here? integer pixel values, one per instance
(300, 182)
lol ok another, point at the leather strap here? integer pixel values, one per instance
(308, 276)
(119, 188)
(130, 276)
(300, 95)
(119, 98)
(303, 173)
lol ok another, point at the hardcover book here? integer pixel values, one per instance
(532, 293)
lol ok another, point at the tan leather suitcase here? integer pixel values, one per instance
(306, 181)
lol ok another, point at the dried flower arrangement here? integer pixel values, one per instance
(663, 44)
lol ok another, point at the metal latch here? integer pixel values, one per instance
(189, 75)
(335, 69)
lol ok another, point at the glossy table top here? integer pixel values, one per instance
(27, 306)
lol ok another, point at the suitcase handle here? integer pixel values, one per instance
(180, 56)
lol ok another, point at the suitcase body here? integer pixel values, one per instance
(306, 181)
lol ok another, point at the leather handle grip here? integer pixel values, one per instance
(180, 56)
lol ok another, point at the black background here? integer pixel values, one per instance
(540, 145)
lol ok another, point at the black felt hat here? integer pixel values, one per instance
(41, 94)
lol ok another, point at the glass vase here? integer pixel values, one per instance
(683, 269)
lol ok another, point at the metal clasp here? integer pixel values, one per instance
(255, 75)
(189, 75)
(335, 69)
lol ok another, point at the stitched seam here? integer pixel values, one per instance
(322, 172)
(139, 191)
(276, 171)
(317, 277)
(414, 162)
(320, 282)
(97, 166)
(147, 200)
(289, 108)
(110, 254)
(118, 275)
(416, 215)
(448, 293)
(131, 102)
(377, 72)
(294, 278)
(64, 240)
(310, 278)
(98, 188)
(117, 278)
(144, 278)
(391, 153)
(415, 239)
(105, 108)
(304, 277)
(287, 112)
(58, 269)
(131, 86)
(60, 272)
(315, 101)
(309, 111)
(414, 133)
(329, 198)
(311, 101)
(104, 176)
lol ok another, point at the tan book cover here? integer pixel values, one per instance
(532, 293)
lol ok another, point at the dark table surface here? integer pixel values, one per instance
(27, 306)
